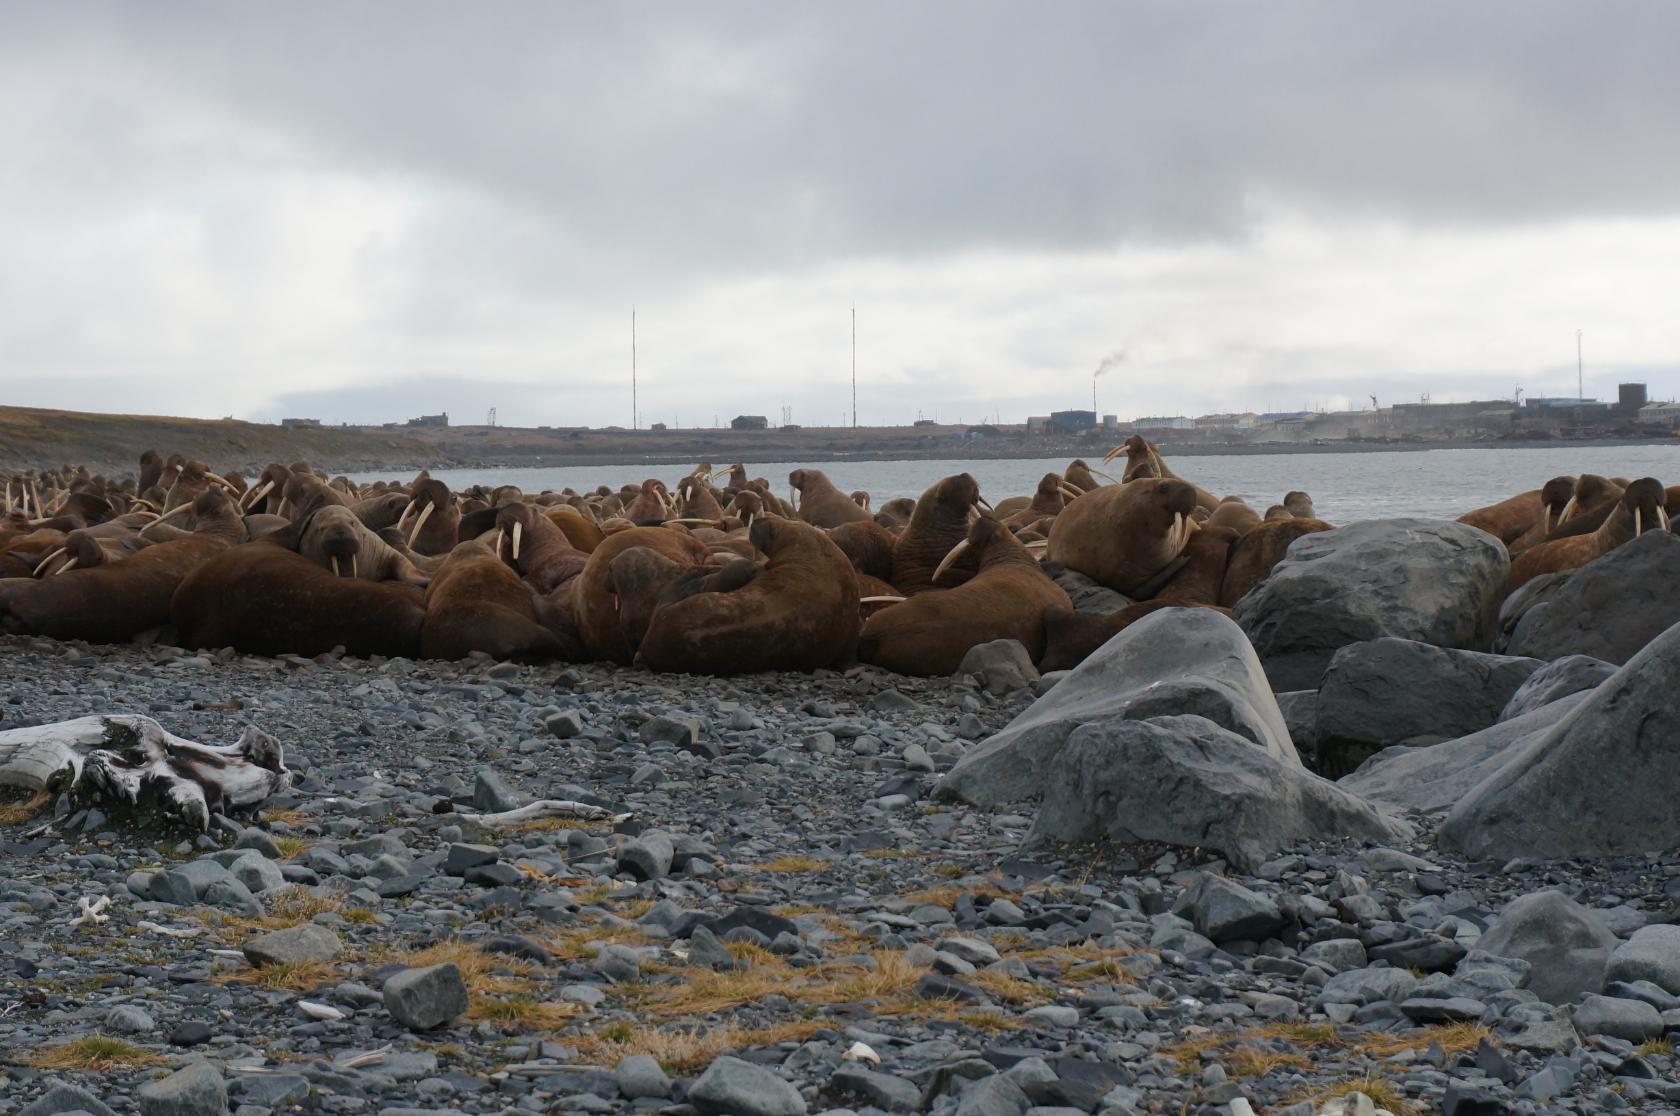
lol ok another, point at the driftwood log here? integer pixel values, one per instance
(133, 763)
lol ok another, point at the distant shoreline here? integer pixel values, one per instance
(981, 452)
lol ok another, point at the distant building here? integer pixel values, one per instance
(749, 422)
(1038, 424)
(984, 430)
(925, 422)
(298, 423)
(1168, 422)
(1073, 422)
(658, 426)
(430, 420)
(1664, 415)
(1227, 423)
(1630, 398)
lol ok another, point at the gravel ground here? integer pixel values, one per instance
(783, 892)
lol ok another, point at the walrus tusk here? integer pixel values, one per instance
(402, 520)
(334, 559)
(67, 567)
(1662, 516)
(45, 562)
(498, 544)
(518, 533)
(217, 478)
(249, 500)
(420, 522)
(983, 502)
(1113, 453)
(178, 509)
(1568, 510)
(716, 473)
(1068, 491)
(1638, 523)
(354, 571)
(945, 562)
(881, 599)
(1104, 475)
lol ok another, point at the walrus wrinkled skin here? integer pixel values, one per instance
(1641, 508)
(534, 546)
(263, 599)
(111, 603)
(821, 504)
(1258, 551)
(939, 523)
(800, 612)
(594, 608)
(1124, 535)
(477, 603)
(335, 539)
(931, 632)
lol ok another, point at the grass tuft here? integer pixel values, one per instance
(302, 977)
(95, 1053)
(787, 865)
(1383, 1094)
(17, 813)
(686, 1049)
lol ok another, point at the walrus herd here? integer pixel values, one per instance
(716, 574)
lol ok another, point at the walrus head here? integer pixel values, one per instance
(1300, 505)
(1646, 498)
(1554, 497)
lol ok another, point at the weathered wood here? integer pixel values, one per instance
(544, 809)
(132, 762)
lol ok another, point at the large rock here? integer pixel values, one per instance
(1566, 946)
(1424, 579)
(294, 945)
(1434, 779)
(1176, 661)
(1555, 681)
(1601, 782)
(1653, 954)
(1609, 608)
(733, 1087)
(1399, 691)
(1224, 911)
(1187, 781)
(197, 1090)
(421, 999)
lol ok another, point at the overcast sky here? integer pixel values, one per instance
(366, 211)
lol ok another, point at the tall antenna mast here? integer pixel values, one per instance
(633, 411)
(1579, 393)
(854, 366)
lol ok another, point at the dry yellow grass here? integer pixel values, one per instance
(289, 908)
(486, 975)
(291, 847)
(1246, 1061)
(574, 944)
(305, 977)
(522, 1012)
(290, 818)
(789, 865)
(686, 1049)
(16, 813)
(95, 1053)
(945, 896)
(1010, 990)
(1455, 1038)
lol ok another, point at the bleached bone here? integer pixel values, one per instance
(131, 762)
(89, 911)
(545, 808)
(168, 932)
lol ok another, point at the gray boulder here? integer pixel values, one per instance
(1224, 911)
(1565, 945)
(738, 1088)
(1652, 954)
(1609, 608)
(1176, 661)
(197, 1090)
(1601, 782)
(1535, 591)
(1003, 665)
(1632, 1020)
(421, 999)
(1398, 691)
(1424, 579)
(1572, 674)
(1088, 595)
(1368, 986)
(1300, 716)
(61, 1098)
(1434, 779)
(295, 945)
(1189, 782)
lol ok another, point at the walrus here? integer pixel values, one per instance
(820, 503)
(1300, 505)
(380, 511)
(1232, 512)
(651, 506)
(1207, 555)
(1258, 551)
(1125, 535)
(593, 606)
(435, 529)
(1591, 500)
(1048, 499)
(1641, 508)
(476, 603)
(895, 513)
(1080, 476)
(939, 523)
(1005, 599)
(263, 599)
(867, 545)
(334, 538)
(1143, 459)
(580, 528)
(536, 548)
(113, 602)
(799, 612)
(643, 579)
(696, 499)
(1070, 637)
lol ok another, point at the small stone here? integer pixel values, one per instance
(257, 872)
(295, 945)
(1224, 911)
(197, 1090)
(462, 857)
(126, 1019)
(916, 758)
(1652, 954)
(565, 724)
(618, 964)
(684, 732)
(639, 1076)
(492, 795)
(733, 1087)
(258, 841)
(647, 857)
(61, 1099)
(853, 1081)
(421, 999)
(191, 1033)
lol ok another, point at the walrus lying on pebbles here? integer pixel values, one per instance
(799, 613)
(1124, 535)
(594, 605)
(930, 633)
(475, 602)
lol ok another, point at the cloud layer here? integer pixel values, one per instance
(363, 212)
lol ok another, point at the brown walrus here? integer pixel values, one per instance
(895, 513)
(644, 579)
(820, 503)
(476, 603)
(1591, 500)
(939, 523)
(436, 519)
(650, 506)
(1051, 496)
(1641, 508)
(115, 601)
(800, 612)
(868, 545)
(537, 549)
(1005, 599)
(1207, 555)
(594, 608)
(334, 538)
(1125, 535)
(1143, 459)
(1259, 550)
(266, 600)
(1232, 512)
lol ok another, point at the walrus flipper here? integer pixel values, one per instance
(131, 762)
